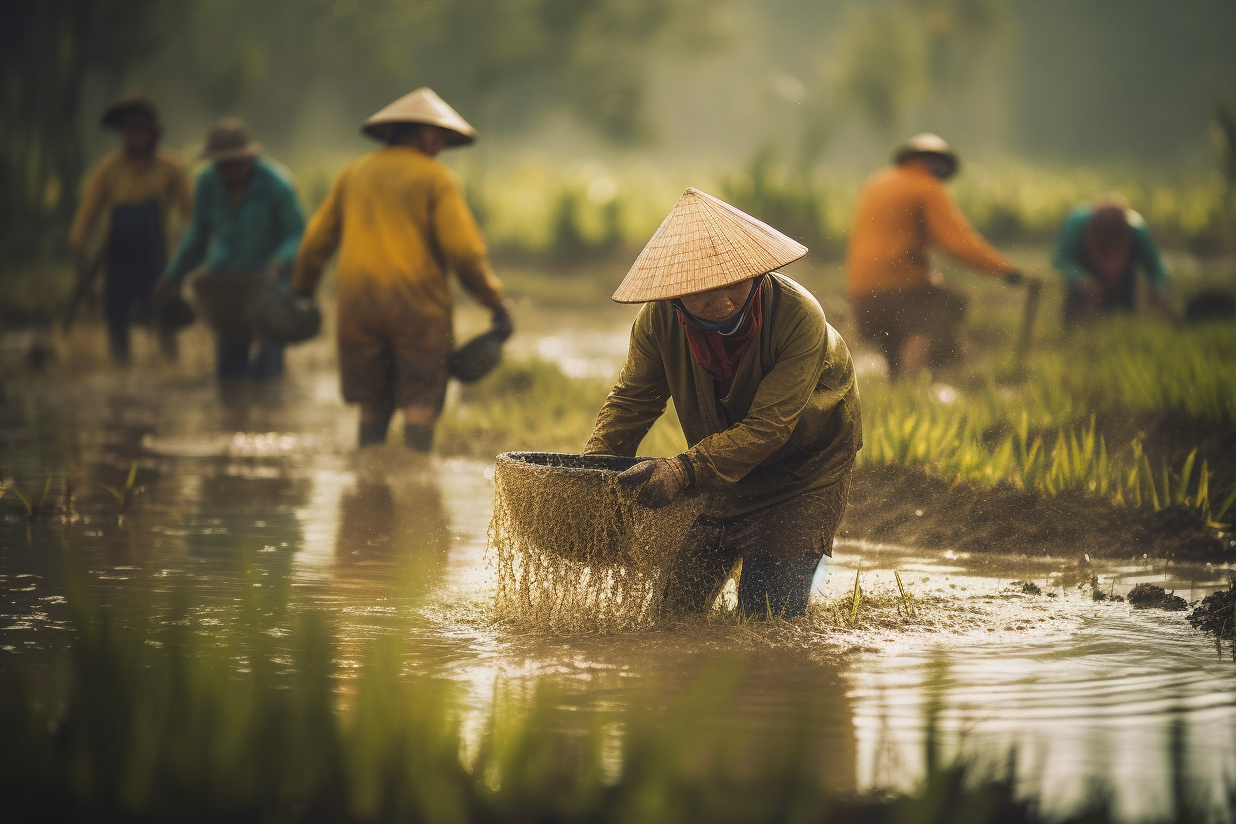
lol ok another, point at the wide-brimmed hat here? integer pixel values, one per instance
(115, 114)
(703, 244)
(229, 140)
(927, 143)
(420, 106)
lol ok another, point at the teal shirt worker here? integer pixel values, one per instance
(264, 229)
(1098, 252)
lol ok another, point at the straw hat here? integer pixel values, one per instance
(420, 106)
(229, 140)
(115, 114)
(927, 143)
(703, 244)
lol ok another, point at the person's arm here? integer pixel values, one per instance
(1147, 252)
(950, 230)
(1067, 257)
(192, 249)
(726, 457)
(290, 224)
(637, 400)
(88, 212)
(461, 242)
(319, 241)
(182, 193)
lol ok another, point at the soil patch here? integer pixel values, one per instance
(906, 505)
(1216, 613)
(1150, 596)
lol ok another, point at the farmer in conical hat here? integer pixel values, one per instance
(900, 302)
(135, 190)
(399, 222)
(764, 389)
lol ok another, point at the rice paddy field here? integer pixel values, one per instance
(214, 612)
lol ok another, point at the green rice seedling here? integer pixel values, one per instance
(34, 508)
(125, 494)
(905, 596)
(856, 600)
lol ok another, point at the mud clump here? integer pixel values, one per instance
(574, 552)
(1216, 613)
(1150, 596)
(1026, 587)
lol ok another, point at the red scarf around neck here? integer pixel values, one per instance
(718, 353)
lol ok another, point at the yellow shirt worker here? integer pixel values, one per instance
(399, 223)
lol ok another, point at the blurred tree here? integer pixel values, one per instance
(48, 51)
(1225, 133)
(881, 64)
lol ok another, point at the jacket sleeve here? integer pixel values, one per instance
(290, 221)
(320, 240)
(1067, 257)
(1147, 251)
(638, 399)
(726, 457)
(462, 244)
(88, 211)
(192, 249)
(950, 230)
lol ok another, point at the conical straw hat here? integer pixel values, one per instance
(420, 106)
(703, 244)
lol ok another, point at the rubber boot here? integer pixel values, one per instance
(371, 433)
(418, 436)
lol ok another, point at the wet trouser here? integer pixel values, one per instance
(887, 319)
(135, 258)
(233, 359)
(779, 546)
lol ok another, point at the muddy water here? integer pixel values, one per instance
(271, 499)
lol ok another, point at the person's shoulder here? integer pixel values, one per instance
(169, 161)
(794, 304)
(109, 163)
(275, 172)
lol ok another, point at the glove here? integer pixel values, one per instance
(1014, 277)
(663, 480)
(502, 323)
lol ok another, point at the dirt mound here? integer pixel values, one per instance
(1149, 596)
(896, 504)
(1217, 613)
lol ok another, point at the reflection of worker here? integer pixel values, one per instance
(135, 189)
(1098, 251)
(765, 393)
(901, 304)
(399, 220)
(246, 226)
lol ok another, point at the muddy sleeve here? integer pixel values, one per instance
(192, 248)
(321, 239)
(88, 212)
(783, 394)
(637, 400)
(462, 244)
(950, 230)
(1067, 256)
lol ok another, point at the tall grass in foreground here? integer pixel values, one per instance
(170, 725)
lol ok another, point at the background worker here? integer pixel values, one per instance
(399, 221)
(135, 189)
(764, 389)
(900, 302)
(246, 227)
(1098, 251)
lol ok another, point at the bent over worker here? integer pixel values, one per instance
(901, 303)
(400, 222)
(1098, 251)
(135, 190)
(765, 392)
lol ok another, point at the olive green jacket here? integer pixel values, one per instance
(790, 424)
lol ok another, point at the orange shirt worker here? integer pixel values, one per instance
(900, 302)
(399, 222)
